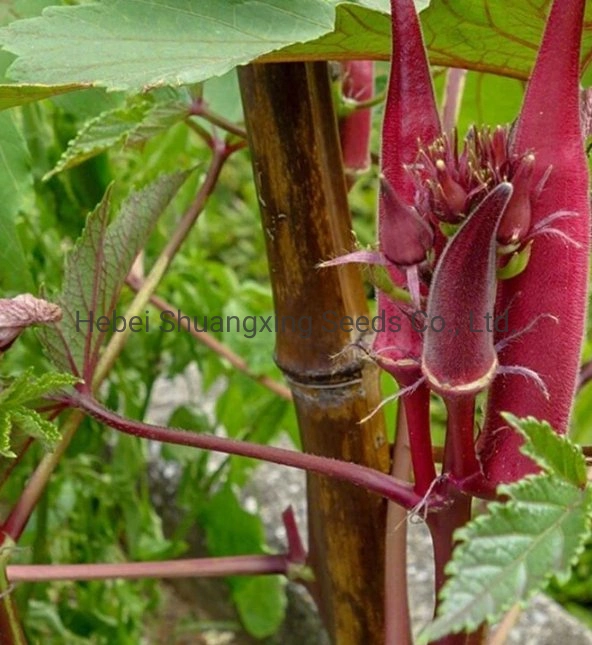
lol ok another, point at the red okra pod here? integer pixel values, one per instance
(547, 302)
(459, 356)
(410, 118)
(355, 129)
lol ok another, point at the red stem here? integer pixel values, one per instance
(202, 567)
(397, 629)
(296, 550)
(442, 527)
(400, 492)
(460, 459)
(417, 412)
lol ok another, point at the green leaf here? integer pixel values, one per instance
(358, 29)
(489, 99)
(483, 35)
(101, 133)
(554, 453)
(508, 554)
(15, 183)
(16, 417)
(231, 530)
(138, 44)
(95, 271)
(26, 388)
(5, 428)
(14, 94)
(261, 604)
(34, 425)
(139, 120)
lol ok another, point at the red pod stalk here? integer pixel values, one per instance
(553, 288)
(355, 129)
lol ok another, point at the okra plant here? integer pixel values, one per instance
(477, 282)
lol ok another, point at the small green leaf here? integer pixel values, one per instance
(5, 428)
(26, 387)
(510, 553)
(261, 604)
(142, 118)
(554, 453)
(15, 416)
(34, 425)
(101, 133)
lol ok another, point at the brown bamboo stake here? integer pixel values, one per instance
(302, 194)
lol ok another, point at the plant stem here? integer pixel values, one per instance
(216, 346)
(400, 492)
(500, 635)
(201, 132)
(396, 603)
(442, 527)
(455, 85)
(11, 632)
(417, 413)
(296, 551)
(298, 172)
(202, 567)
(199, 108)
(352, 105)
(460, 459)
(460, 462)
(15, 462)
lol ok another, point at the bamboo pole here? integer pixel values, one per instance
(305, 216)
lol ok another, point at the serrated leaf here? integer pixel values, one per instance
(26, 388)
(554, 453)
(95, 271)
(101, 133)
(139, 120)
(139, 44)
(34, 425)
(5, 428)
(508, 554)
(481, 35)
(14, 94)
(15, 416)
(146, 43)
